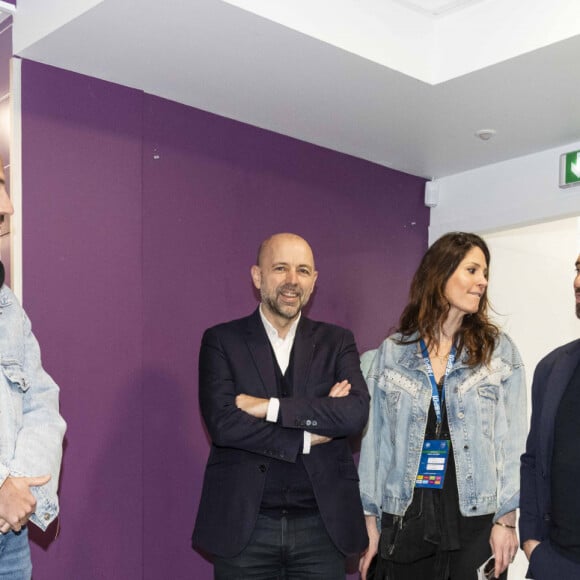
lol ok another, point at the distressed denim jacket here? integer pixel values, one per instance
(31, 428)
(486, 409)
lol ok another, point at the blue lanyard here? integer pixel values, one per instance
(434, 390)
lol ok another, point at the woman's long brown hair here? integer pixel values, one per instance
(428, 308)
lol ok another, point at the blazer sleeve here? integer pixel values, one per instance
(530, 522)
(229, 426)
(332, 417)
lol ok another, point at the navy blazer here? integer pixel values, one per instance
(551, 378)
(236, 358)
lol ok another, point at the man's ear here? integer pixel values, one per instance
(256, 276)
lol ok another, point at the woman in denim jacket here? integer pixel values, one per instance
(439, 465)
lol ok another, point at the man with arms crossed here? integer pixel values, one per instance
(550, 472)
(31, 431)
(280, 394)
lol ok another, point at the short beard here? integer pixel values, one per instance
(273, 306)
(578, 309)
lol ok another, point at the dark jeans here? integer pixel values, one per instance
(285, 549)
(547, 563)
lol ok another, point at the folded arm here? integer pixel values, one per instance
(228, 425)
(327, 415)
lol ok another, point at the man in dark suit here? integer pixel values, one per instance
(550, 472)
(280, 394)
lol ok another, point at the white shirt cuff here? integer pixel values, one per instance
(273, 410)
(307, 443)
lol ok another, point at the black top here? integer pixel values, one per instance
(564, 530)
(288, 490)
(441, 505)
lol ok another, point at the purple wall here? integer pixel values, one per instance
(141, 220)
(82, 289)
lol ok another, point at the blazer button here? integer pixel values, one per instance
(308, 422)
(314, 422)
(262, 468)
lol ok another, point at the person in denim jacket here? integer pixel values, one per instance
(448, 379)
(31, 431)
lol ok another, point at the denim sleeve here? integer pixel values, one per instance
(370, 465)
(38, 449)
(510, 445)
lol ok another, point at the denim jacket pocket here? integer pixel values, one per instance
(488, 396)
(14, 376)
(13, 372)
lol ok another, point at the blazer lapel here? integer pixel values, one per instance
(261, 352)
(304, 347)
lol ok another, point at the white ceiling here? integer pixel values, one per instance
(432, 74)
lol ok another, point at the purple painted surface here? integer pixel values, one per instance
(82, 289)
(131, 251)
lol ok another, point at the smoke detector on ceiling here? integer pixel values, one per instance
(485, 134)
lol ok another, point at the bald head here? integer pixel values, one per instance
(285, 277)
(282, 239)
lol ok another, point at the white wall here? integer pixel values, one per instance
(513, 193)
(532, 266)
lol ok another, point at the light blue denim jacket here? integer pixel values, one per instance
(486, 409)
(31, 428)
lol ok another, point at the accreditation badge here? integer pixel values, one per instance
(434, 458)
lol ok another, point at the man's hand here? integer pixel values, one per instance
(341, 389)
(318, 439)
(253, 405)
(529, 546)
(17, 503)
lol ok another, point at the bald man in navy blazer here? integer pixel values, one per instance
(550, 470)
(280, 395)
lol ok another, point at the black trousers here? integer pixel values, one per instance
(459, 564)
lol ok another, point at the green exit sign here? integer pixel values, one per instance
(570, 169)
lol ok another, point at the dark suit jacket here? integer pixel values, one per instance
(236, 358)
(551, 378)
